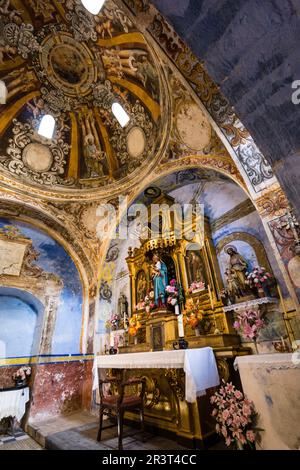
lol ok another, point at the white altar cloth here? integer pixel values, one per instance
(199, 365)
(13, 402)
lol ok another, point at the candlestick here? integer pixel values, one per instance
(180, 326)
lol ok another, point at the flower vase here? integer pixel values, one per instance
(255, 345)
(20, 382)
(197, 332)
(239, 446)
(261, 292)
(135, 340)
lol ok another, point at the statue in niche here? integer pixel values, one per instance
(159, 274)
(123, 305)
(237, 269)
(93, 157)
(233, 286)
(196, 267)
(141, 287)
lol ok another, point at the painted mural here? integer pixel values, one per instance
(62, 60)
(49, 272)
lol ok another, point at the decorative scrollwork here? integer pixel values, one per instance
(105, 291)
(175, 378)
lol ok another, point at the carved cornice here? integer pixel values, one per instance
(272, 204)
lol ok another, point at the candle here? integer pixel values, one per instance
(111, 340)
(210, 297)
(283, 343)
(180, 326)
(177, 311)
(124, 320)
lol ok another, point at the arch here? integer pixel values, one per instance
(24, 298)
(51, 227)
(256, 244)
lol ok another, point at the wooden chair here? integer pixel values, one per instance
(119, 403)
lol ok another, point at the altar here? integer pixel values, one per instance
(178, 387)
(197, 379)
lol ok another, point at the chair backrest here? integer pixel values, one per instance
(120, 387)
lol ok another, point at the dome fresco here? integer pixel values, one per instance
(58, 59)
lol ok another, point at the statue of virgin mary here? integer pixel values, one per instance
(160, 280)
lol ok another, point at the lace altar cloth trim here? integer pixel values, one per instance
(199, 365)
(250, 304)
(13, 402)
(267, 361)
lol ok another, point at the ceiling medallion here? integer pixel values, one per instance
(193, 126)
(68, 64)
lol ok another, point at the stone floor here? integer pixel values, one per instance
(78, 432)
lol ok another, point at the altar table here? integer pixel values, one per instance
(13, 402)
(272, 381)
(199, 365)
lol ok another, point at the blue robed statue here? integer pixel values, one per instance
(160, 280)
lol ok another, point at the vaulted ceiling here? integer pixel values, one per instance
(56, 58)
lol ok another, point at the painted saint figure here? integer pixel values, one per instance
(237, 266)
(160, 280)
(93, 157)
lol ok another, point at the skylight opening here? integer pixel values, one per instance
(120, 114)
(47, 126)
(93, 6)
(3, 92)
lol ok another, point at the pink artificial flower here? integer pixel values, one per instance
(229, 388)
(218, 428)
(250, 435)
(225, 414)
(228, 441)
(238, 395)
(224, 431)
(246, 410)
(214, 412)
(173, 282)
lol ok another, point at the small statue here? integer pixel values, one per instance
(237, 269)
(123, 305)
(233, 285)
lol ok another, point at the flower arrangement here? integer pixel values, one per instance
(259, 278)
(235, 415)
(113, 323)
(134, 325)
(21, 374)
(140, 305)
(249, 324)
(174, 293)
(195, 317)
(149, 301)
(196, 286)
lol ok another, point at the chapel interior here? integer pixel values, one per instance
(149, 234)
